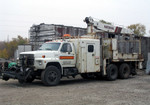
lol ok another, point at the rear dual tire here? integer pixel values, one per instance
(112, 72)
(124, 71)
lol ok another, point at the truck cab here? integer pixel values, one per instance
(50, 52)
(57, 54)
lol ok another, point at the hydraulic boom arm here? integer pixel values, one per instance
(98, 26)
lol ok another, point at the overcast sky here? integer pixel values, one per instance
(17, 16)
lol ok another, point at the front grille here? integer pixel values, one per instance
(26, 59)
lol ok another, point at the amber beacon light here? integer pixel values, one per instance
(67, 35)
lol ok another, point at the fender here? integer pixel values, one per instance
(57, 64)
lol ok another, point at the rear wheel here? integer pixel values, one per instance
(124, 71)
(112, 72)
(51, 76)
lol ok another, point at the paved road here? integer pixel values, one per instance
(132, 91)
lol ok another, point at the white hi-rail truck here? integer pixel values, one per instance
(89, 55)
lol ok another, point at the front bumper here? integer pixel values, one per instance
(20, 73)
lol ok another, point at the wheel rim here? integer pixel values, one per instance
(52, 76)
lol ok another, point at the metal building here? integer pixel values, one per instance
(45, 32)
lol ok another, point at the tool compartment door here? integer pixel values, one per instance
(90, 57)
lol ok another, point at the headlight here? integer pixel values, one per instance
(40, 62)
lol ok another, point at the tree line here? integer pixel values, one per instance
(7, 49)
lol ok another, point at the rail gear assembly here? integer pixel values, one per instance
(87, 55)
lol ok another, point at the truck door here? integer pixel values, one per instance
(67, 56)
(90, 57)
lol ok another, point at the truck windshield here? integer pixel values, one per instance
(50, 46)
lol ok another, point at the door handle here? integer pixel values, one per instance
(92, 54)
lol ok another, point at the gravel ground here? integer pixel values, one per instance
(132, 91)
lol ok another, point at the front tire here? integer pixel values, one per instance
(51, 76)
(112, 72)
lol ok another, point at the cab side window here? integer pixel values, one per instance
(66, 47)
(90, 48)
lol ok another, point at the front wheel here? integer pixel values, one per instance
(51, 76)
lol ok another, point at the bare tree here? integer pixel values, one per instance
(139, 29)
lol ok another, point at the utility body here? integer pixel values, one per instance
(89, 55)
